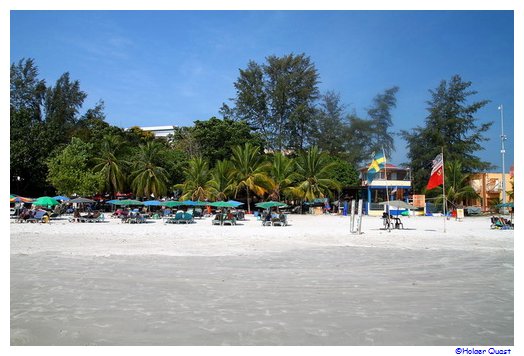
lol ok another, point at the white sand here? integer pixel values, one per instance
(310, 283)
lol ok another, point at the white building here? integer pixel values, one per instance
(159, 131)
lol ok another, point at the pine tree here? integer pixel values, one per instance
(451, 125)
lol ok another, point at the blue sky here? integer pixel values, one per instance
(174, 67)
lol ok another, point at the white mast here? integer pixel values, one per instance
(503, 151)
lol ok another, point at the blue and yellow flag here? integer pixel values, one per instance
(379, 162)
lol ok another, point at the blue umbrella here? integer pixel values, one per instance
(61, 197)
(189, 202)
(152, 203)
(237, 203)
(114, 201)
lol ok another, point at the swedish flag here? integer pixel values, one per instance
(379, 162)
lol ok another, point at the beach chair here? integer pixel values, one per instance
(187, 218)
(281, 220)
(96, 217)
(137, 219)
(386, 221)
(179, 216)
(40, 216)
(499, 223)
(229, 219)
(76, 216)
(217, 220)
(266, 220)
(169, 220)
(197, 213)
(398, 223)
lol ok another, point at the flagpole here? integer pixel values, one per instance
(444, 200)
(387, 193)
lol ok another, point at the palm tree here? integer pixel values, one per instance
(282, 173)
(313, 168)
(110, 164)
(250, 171)
(197, 185)
(221, 182)
(457, 185)
(148, 177)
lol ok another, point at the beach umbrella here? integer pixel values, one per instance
(237, 203)
(152, 203)
(113, 201)
(81, 200)
(19, 199)
(61, 197)
(399, 204)
(201, 203)
(188, 202)
(172, 203)
(45, 201)
(129, 202)
(223, 204)
(270, 204)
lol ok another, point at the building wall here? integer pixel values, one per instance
(489, 187)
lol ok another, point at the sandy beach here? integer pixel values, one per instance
(310, 283)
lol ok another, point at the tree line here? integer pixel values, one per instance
(278, 138)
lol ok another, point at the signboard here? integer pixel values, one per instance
(460, 214)
(419, 201)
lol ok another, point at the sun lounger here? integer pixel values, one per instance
(40, 216)
(217, 220)
(137, 219)
(180, 218)
(280, 221)
(266, 223)
(229, 220)
(499, 223)
(93, 219)
(187, 218)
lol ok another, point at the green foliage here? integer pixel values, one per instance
(275, 106)
(283, 174)
(381, 120)
(197, 185)
(109, 162)
(183, 139)
(359, 145)
(175, 162)
(315, 179)
(330, 132)
(215, 138)
(27, 160)
(451, 126)
(250, 171)
(69, 170)
(61, 106)
(148, 177)
(344, 173)
(277, 100)
(222, 180)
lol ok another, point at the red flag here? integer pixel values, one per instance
(437, 176)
